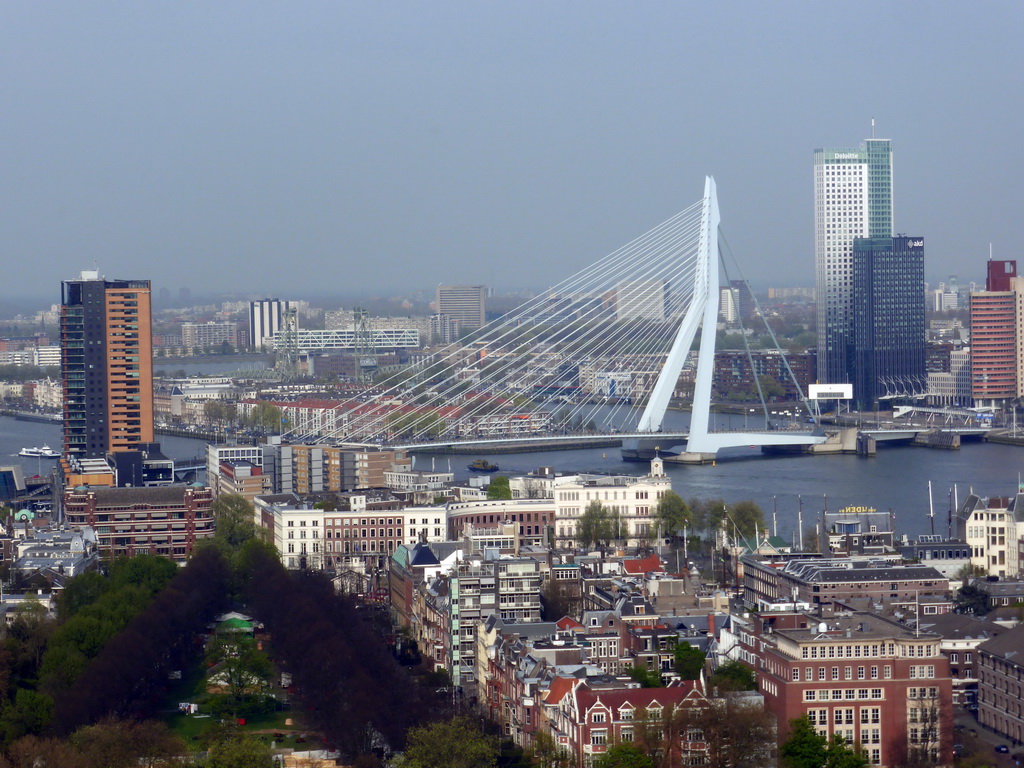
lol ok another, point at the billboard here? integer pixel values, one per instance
(830, 391)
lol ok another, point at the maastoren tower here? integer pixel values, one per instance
(852, 198)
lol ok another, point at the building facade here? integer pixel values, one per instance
(131, 521)
(1001, 684)
(265, 317)
(634, 500)
(465, 304)
(874, 682)
(106, 365)
(997, 344)
(888, 320)
(852, 198)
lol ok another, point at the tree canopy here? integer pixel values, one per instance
(806, 748)
(498, 488)
(673, 514)
(734, 676)
(597, 525)
(455, 743)
(624, 755)
(689, 661)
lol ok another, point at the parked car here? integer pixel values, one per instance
(1002, 749)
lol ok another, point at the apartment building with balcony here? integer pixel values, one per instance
(166, 521)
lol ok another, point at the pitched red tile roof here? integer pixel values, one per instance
(559, 687)
(640, 566)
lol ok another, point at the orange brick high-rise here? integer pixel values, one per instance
(106, 365)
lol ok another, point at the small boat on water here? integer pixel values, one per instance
(482, 465)
(45, 452)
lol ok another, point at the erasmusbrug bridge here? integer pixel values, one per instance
(596, 357)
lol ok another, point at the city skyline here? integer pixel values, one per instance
(233, 148)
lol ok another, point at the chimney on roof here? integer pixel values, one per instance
(711, 624)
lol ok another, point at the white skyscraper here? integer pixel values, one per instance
(852, 198)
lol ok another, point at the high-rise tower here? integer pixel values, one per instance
(888, 329)
(106, 365)
(852, 198)
(265, 319)
(464, 303)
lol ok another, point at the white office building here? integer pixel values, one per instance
(852, 198)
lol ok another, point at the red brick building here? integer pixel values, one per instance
(873, 681)
(134, 521)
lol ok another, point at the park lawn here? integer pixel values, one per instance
(191, 727)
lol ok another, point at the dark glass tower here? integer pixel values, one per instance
(888, 352)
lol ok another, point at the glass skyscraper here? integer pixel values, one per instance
(852, 198)
(888, 329)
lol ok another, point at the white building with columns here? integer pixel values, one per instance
(633, 499)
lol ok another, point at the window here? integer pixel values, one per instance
(599, 738)
(598, 717)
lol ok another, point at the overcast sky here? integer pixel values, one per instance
(319, 148)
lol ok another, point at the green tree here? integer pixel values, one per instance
(126, 744)
(239, 668)
(595, 526)
(806, 748)
(839, 755)
(689, 661)
(455, 743)
(499, 488)
(748, 518)
(266, 416)
(734, 676)
(673, 514)
(546, 752)
(28, 713)
(624, 755)
(235, 749)
(970, 599)
(79, 592)
(213, 411)
(648, 678)
(234, 518)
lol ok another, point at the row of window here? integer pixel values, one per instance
(844, 694)
(847, 673)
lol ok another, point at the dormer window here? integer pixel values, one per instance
(626, 714)
(598, 717)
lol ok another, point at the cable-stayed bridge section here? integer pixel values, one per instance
(598, 355)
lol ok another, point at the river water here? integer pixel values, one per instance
(896, 479)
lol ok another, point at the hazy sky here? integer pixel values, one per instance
(318, 148)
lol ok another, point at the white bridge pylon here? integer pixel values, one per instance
(702, 313)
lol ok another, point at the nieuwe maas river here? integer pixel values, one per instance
(897, 478)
